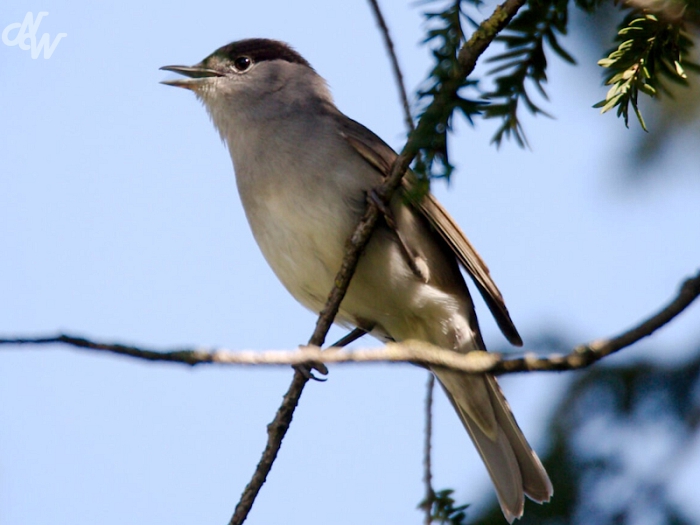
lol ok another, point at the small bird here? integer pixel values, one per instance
(304, 172)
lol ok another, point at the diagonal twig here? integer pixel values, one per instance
(427, 452)
(398, 75)
(276, 431)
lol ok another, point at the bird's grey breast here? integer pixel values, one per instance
(303, 190)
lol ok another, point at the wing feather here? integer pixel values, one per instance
(378, 154)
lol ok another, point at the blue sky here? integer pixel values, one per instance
(119, 220)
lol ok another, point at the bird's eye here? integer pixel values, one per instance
(242, 63)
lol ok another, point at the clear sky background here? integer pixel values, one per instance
(119, 220)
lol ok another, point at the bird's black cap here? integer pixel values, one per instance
(259, 50)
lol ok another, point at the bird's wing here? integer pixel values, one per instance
(377, 153)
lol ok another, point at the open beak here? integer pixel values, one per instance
(195, 73)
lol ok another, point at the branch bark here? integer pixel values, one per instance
(427, 503)
(389, 43)
(414, 352)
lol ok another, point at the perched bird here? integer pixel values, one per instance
(304, 172)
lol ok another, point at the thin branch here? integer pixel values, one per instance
(277, 430)
(427, 452)
(585, 355)
(415, 352)
(466, 62)
(486, 32)
(275, 433)
(388, 42)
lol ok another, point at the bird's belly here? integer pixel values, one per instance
(303, 245)
(305, 249)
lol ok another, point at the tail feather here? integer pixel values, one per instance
(536, 483)
(514, 467)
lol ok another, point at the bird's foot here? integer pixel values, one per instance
(307, 370)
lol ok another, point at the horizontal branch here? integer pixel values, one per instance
(415, 352)
(407, 352)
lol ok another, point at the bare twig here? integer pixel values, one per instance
(585, 355)
(275, 433)
(427, 452)
(416, 352)
(388, 42)
(486, 32)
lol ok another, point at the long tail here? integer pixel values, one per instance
(514, 467)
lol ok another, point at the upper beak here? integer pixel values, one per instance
(195, 73)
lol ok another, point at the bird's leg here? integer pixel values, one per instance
(350, 338)
(307, 370)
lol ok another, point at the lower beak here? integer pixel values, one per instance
(197, 74)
